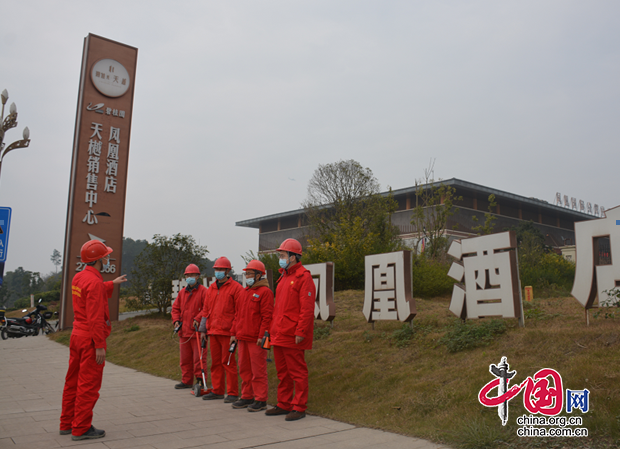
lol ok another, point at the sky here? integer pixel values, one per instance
(238, 102)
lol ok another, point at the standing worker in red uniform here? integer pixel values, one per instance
(216, 319)
(187, 305)
(292, 331)
(252, 320)
(91, 327)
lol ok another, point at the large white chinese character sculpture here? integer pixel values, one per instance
(323, 277)
(489, 266)
(592, 279)
(387, 292)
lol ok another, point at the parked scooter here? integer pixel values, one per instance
(29, 324)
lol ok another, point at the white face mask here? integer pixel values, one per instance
(250, 282)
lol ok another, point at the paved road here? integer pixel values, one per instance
(138, 410)
(125, 315)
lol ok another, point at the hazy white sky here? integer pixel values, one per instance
(237, 102)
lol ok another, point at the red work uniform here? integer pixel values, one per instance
(219, 308)
(186, 306)
(91, 327)
(253, 318)
(293, 315)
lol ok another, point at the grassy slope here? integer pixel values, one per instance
(362, 376)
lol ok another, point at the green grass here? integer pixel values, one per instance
(410, 380)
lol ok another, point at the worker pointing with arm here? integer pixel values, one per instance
(91, 328)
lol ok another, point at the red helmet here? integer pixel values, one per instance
(222, 262)
(290, 245)
(192, 269)
(94, 250)
(256, 265)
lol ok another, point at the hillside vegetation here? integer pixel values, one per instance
(423, 380)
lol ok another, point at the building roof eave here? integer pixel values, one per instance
(452, 182)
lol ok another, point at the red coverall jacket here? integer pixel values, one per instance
(254, 311)
(294, 310)
(188, 305)
(90, 306)
(219, 307)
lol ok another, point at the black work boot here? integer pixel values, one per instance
(181, 386)
(277, 411)
(230, 399)
(257, 406)
(210, 396)
(242, 403)
(90, 434)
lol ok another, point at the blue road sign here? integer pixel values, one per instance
(5, 225)
(618, 222)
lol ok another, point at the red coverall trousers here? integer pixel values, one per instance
(293, 374)
(82, 386)
(220, 369)
(189, 350)
(253, 371)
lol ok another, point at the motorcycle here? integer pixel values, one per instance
(30, 324)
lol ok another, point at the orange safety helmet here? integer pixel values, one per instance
(255, 265)
(192, 269)
(94, 250)
(291, 246)
(222, 262)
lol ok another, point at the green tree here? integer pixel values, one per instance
(56, 258)
(434, 206)
(6, 293)
(131, 249)
(337, 191)
(20, 284)
(530, 244)
(158, 264)
(539, 266)
(489, 219)
(530, 234)
(348, 219)
(270, 260)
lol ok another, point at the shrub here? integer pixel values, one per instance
(21, 303)
(430, 277)
(462, 336)
(549, 274)
(613, 300)
(47, 297)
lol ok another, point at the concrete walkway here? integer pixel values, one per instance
(138, 410)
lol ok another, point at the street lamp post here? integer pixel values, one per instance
(7, 123)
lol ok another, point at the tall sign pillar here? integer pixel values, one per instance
(96, 207)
